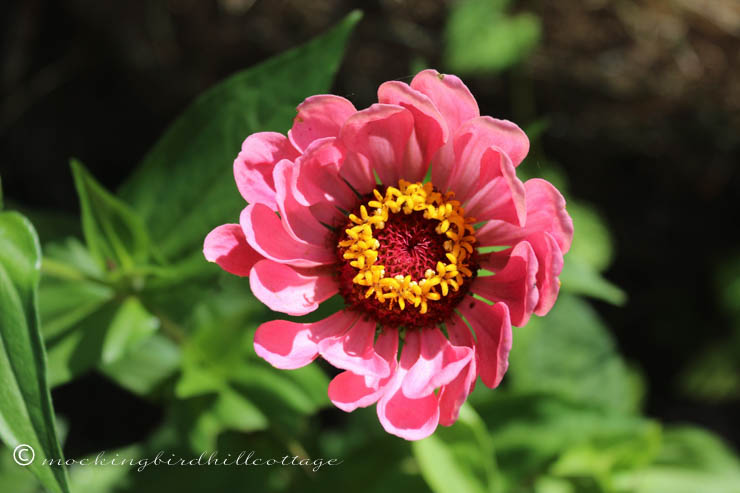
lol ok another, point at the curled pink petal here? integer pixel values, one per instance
(354, 351)
(318, 185)
(297, 217)
(227, 246)
(266, 234)
(461, 165)
(430, 128)
(493, 338)
(288, 290)
(501, 194)
(318, 117)
(289, 345)
(409, 418)
(550, 261)
(515, 284)
(254, 164)
(348, 391)
(377, 138)
(453, 395)
(449, 94)
(545, 212)
(439, 362)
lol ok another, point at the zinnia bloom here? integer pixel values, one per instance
(340, 206)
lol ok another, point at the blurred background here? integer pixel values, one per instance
(633, 108)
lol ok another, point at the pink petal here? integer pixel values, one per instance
(377, 138)
(438, 363)
(318, 184)
(515, 284)
(449, 94)
(461, 166)
(348, 391)
(453, 395)
(354, 351)
(493, 338)
(545, 212)
(412, 419)
(550, 261)
(430, 129)
(289, 345)
(296, 216)
(227, 246)
(253, 166)
(501, 195)
(266, 234)
(286, 289)
(318, 117)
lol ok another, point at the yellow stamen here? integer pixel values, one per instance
(361, 248)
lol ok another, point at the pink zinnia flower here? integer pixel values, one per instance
(339, 206)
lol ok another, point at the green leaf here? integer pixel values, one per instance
(185, 185)
(26, 412)
(592, 243)
(145, 366)
(115, 235)
(482, 38)
(458, 458)
(591, 253)
(572, 353)
(223, 375)
(131, 325)
(691, 460)
(578, 277)
(113, 331)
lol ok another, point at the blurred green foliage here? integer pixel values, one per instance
(137, 303)
(481, 37)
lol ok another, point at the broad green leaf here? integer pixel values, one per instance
(458, 458)
(532, 431)
(131, 325)
(26, 412)
(571, 352)
(115, 235)
(578, 277)
(185, 185)
(481, 37)
(113, 331)
(592, 243)
(691, 460)
(590, 254)
(145, 366)
(221, 372)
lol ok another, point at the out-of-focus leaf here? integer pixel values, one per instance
(458, 458)
(14, 478)
(185, 185)
(592, 243)
(223, 375)
(114, 233)
(570, 352)
(26, 412)
(105, 336)
(131, 325)
(690, 460)
(365, 448)
(580, 278)
(145, 366)
(482, 37)
(532, 431)
(609, 452)
(590, 254)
